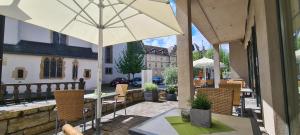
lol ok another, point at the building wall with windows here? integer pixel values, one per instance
(27, 46)
(159, 58)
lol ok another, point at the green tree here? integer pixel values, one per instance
(132, 59)
(171, 76)
(197, 55)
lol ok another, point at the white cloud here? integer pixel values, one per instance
(161, 42)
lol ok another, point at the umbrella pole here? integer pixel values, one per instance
(99, 75)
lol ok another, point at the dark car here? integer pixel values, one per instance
(119, 80)
(157, 80)
(137, 82)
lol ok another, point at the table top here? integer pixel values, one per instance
(241, 126)
(246, 90)
(104, 95)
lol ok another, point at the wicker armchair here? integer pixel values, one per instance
(236, 88)
(221, 99)
(199, 83)
(121, 90)
(70, 106)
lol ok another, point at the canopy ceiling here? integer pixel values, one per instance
(220, 20)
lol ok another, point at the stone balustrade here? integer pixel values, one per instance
(39, 118)
(11, 93)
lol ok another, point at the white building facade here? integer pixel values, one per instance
(36, 55)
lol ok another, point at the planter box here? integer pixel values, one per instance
(171, 97)
(151, 96)
(201, 117)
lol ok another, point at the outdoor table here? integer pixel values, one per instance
(158, 125)
(244, 91)
(103, 96)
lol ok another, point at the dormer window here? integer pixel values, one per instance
(58, 38)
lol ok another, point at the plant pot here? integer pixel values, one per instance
(201, 117)
(171, 97)
(151, 96)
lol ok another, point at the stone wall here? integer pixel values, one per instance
(41, 119)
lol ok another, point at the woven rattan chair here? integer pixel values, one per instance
(221, 99)
(121, 90)
(70, 106)
(199, 83)
(236, 88)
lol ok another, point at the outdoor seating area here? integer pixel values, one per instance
(149, 67)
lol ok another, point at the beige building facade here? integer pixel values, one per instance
(157, 59)
(263, 37)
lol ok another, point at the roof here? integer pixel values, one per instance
(156, 50)
(45, 49)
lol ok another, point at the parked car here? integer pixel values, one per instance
(119, 80)
(137, 82)
(157, 80)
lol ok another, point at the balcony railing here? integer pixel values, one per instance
(23, 92)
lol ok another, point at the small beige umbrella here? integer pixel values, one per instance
(205, 63)
(102, 22)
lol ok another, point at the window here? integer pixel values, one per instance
(108, 71)
(109, 54)
(58, 38)
(52, 67)
(75, 70)
(20, 74)
(87, 73)
(290, 10)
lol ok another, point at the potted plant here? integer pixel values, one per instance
(150, 93)
(171, 93)
(200, 113)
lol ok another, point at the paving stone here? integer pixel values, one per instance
(40, 128)
(3, 127)
(21, 123)
(9, 114)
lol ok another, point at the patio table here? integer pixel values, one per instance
(244, 91)
(103, 96)
(158, 125)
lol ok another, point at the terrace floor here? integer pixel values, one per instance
(136, 114)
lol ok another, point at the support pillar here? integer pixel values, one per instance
(216, 65)
(184, 54)
(238, 61)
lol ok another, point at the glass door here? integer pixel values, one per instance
(290, 28)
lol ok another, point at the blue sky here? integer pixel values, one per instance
(197, 37)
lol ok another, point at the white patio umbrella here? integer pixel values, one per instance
(205, 63)
(102, 22)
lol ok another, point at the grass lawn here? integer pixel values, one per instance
(186, 128)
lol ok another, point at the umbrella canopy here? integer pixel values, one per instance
(121, 20)
(205, 63)
(102, 22)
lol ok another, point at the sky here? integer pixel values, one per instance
(197, 37)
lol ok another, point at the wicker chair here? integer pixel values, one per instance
(236, 88)
(70, 106)
(221, 99)
(121, 90)
(199, 83)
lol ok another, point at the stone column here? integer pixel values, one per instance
(238, 61)
(184, 54)
(216, 65)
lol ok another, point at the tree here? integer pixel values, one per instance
(132, 59)
(171, 76)
(197, 55)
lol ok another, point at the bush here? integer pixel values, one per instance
(170, 76)
(201, 102)
(171, 89)
(150, 87)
